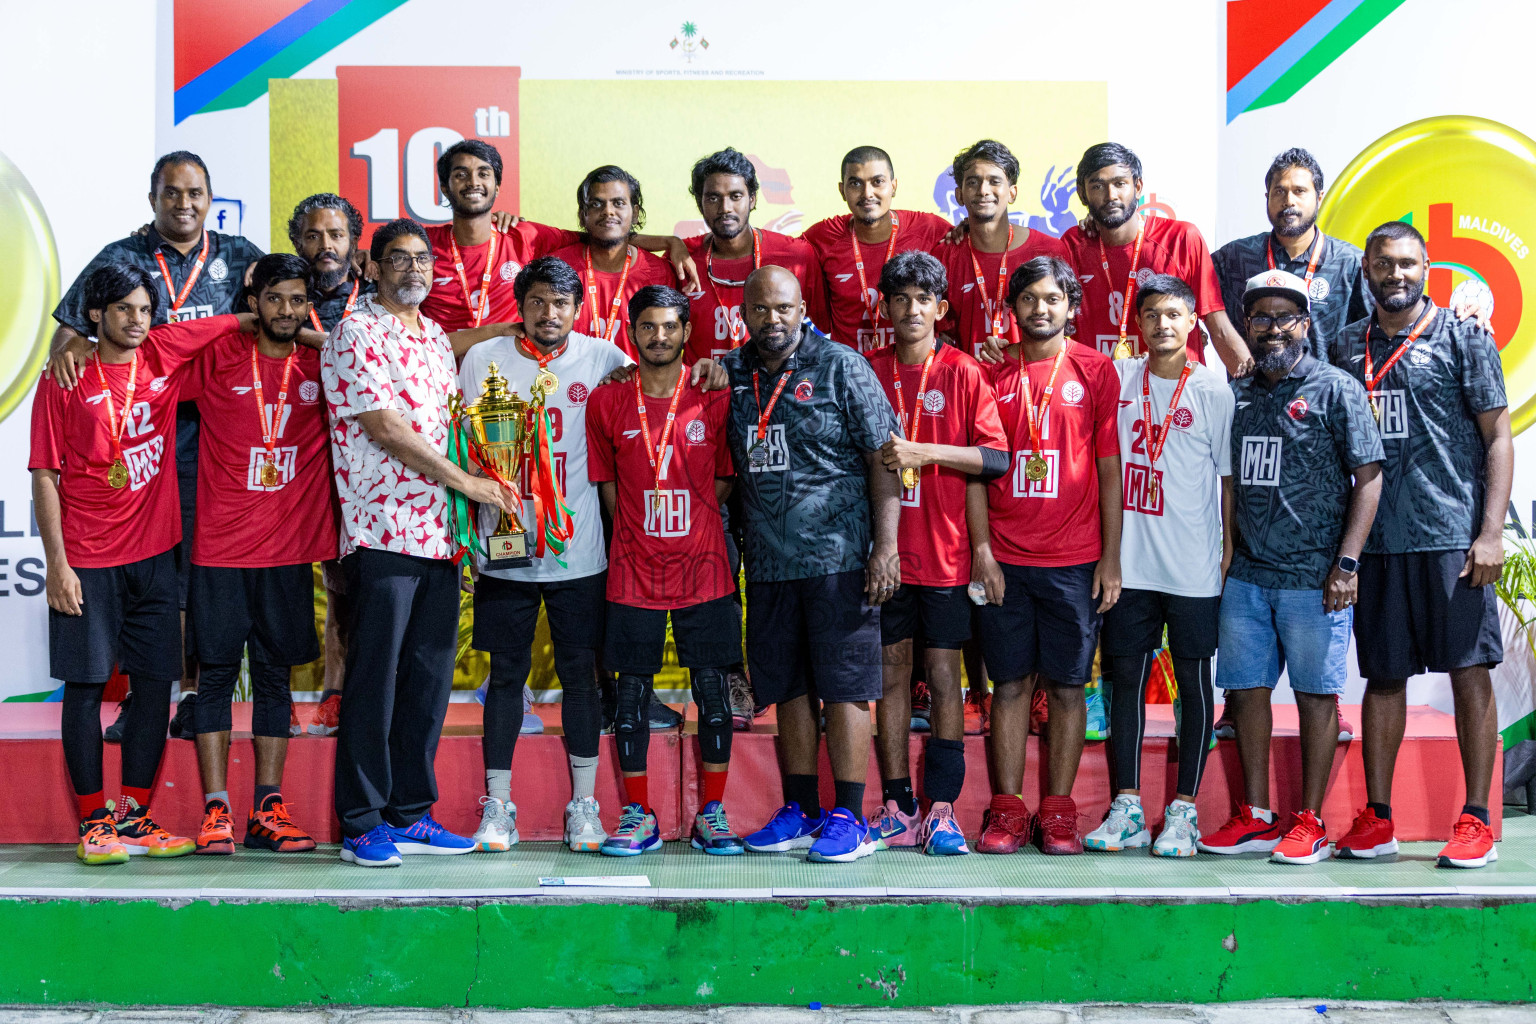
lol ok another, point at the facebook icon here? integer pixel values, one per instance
(224, 215)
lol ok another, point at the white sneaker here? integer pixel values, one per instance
(1124, 829)
(1181, 831)
(583, 831)
(498, 825)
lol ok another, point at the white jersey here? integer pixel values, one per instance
(583, 365)
(1171, 538)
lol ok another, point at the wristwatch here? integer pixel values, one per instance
(1348, 566)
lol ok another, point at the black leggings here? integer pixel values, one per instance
(632, 719)
(143, 733)
(581, 710)
(1127, 676)
(271, 701)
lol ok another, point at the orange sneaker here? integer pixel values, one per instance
(142, 836)
(327, 717)
(98, 841)
(270, 828)
(1471, 844)
(1305, 843)
(218, 832)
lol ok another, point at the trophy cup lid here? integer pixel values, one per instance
(494, 393)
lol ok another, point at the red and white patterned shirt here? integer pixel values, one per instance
(372, 361)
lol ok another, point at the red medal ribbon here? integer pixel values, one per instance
(763, 414)
(314, 318)
(270, 428)
(116, 425)
(1155, 442)
(1045, 398)
(709, 275)
(543, 358)
(1317, 254)
(177, 298)
(872, 306)
(485, 278)
(1130, 280)
(658, 454)
(994, 311)
(618, 296)
(1371, 378)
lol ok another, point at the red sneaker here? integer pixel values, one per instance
(1039, 711)
(1305, 843)
(1346, 727)
(1244, 833)
(217, 835)
(1005, 826)
(1368, 837)
(1058, 826)
(270, 828)
(1471, 845)
(327, 717)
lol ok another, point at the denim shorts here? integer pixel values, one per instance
(1265, 629)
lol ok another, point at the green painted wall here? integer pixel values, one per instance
(519, 954)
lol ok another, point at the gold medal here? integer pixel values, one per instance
(269, 474)
(1122, 351)
(1376, 411)
(909, 478)
(546, 382)
(117, 474)
(1035, 468)
(1152, 489)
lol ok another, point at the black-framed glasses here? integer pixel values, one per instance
(402, 261)
(1285, 321)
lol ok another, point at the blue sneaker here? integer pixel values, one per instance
(427, 836)
(712, 833)
(844, 837)
(373, 849)
(638, 833)
(1098, 713)
(942, 836)
(789, 829)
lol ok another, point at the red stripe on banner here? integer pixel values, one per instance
(1256, 27)
(207, 31)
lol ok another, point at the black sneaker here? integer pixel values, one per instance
(114, 732)
(663, 717)
(181, 724)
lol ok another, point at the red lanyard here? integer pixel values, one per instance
(994, 310)
(763, 414)
(115, 425)
(1045, 399)
(1372, 379)
(1122, 350)
(485, 278)
(269, 428)
(872, 305)
(177, 298)
(314, 318)
(709, 275)
(922, 391)
(1317, 254)
(543, 358)
(618, 297)
(658, 454)
(1155, 442)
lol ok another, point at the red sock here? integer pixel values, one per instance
(90, 803)
(138, 794)
(713, 785)
(638, 790)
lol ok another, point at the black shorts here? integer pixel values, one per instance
(1135, 624)
(708, 635)
(1048, 623)
(814, 635)
(270, 609)
(507, 612)
(129, 619)
(1415, 614)
(941, 616)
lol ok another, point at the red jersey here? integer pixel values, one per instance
(1168, 247)
(716, 311)
(673, 556)
(968, 321)
(1054, 521)
(106, 526)
(646, 268)
(453, 303)
(240, 523)
(850, 297)
(957, 409)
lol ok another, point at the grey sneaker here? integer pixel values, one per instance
(1181, 831)
(1124, 829)
(583, 829)
(532, 723)
(498, 825)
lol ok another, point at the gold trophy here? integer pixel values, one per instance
(498, 423)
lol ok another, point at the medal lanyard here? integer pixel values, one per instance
(1045, 399)
(994, 310)
(543, 358)
(658, 454)
(872, 306)
(1130, 280)
(1155, 444)
(922, 392)
(709, 275)
(1371, 378)
(618, 295)
(1317, 254)
(115, 425)
(269, 428)
(763, 414)
(177, 298)
(485, 278)
(314, 318)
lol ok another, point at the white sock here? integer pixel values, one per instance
(583, 776)
(222, 796)
(1264, 814)
(498, 783)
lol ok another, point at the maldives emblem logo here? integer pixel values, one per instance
(688, 43)
(1297, 410)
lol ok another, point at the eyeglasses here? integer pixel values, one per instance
(1285, 322)
(402, 261)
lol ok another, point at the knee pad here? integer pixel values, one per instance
(711, 692)
(632, 714)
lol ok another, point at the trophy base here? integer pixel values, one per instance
(507, 551)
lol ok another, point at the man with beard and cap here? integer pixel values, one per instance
(1427, 600)
(808, 419)
(388, 373)
(1306, 458)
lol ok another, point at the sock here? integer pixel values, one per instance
(1264, 814)
(1134, 798)
(138, 794)
(803, 790)
(262, 792)
(849, 796)
(90, 803)
(899, 790)
(637, 789)
(944, 770)
(185, 694)
(1480, 813)
(498, 783)
(328, 694)
(712, 786)
(1007, 802)
(583, 776)
(222, 796)
(1382, 811)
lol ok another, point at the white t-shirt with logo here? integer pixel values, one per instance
(1171, 537)
(583, 365)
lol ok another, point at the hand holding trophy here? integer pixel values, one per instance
(493, 434)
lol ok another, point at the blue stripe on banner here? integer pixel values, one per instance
(209, 85)
(1269, 70)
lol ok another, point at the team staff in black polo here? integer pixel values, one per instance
(1426, 581)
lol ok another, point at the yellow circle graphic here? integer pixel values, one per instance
(29, 287)
(1469, 185)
